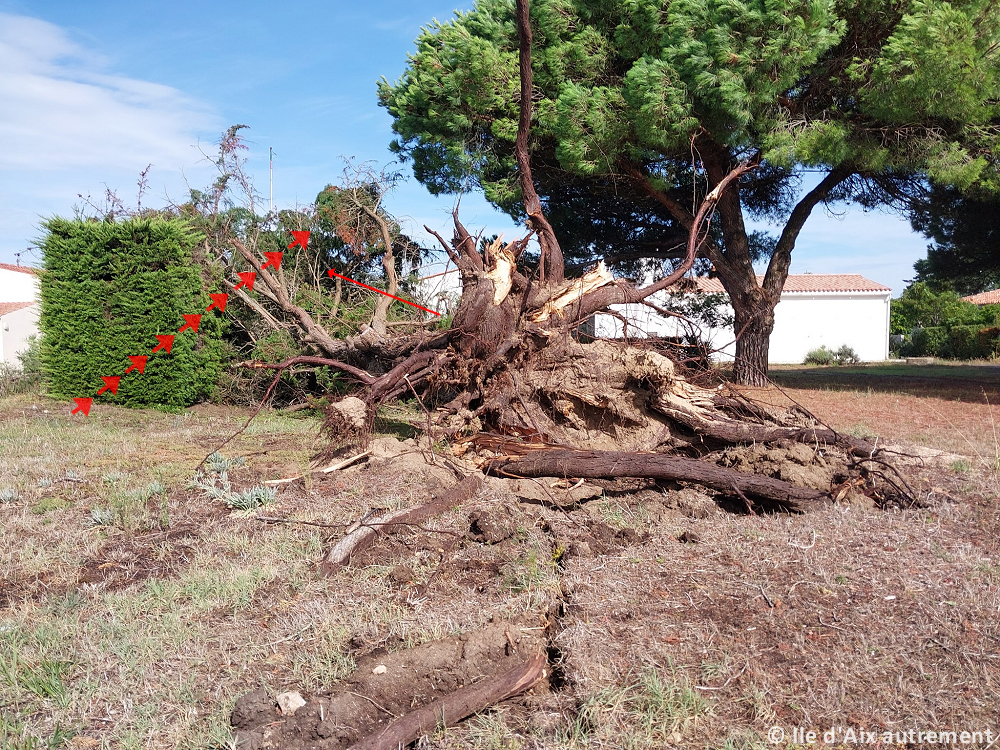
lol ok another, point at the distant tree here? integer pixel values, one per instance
(652, 103)
(965, 256)
(919, 306)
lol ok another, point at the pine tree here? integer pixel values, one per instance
(659, 100)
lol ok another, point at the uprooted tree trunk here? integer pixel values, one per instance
(510, 363)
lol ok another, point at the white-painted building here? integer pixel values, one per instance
(815, 310)
(18, 309)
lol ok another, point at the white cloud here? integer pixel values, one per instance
(61, 109)
(69, 125)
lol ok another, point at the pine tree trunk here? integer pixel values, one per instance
(754, 324)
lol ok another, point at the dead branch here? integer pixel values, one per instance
(619, 293)
(364, 536)
(355, 372)
(456, 706)
(274, 290)
(734, 431)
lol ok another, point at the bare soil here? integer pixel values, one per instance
(670, 616)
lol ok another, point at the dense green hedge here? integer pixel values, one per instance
(955, 342)
(109, 287)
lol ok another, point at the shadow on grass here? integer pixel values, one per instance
(955, 382)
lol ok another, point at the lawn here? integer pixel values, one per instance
(137, 605)
(972, 383)
(950, 407)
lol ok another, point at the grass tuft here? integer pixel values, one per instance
(649, 711)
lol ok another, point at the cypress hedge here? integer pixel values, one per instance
(108, 288)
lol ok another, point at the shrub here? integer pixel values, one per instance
(845, 355)
(821, 356)
(926, 342)
(108, 288)
(25, 377)
(957, 342)
(920, 307)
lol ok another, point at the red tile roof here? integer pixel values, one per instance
(809, 282)
(9, 307)
(984, 298)
(22, 269)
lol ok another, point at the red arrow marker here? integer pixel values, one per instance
(273, 259)
(166, 343)
(301, 239)
(83, 404)
(138, 363)
(218, 301)
(333, 273)
(110, 384)
(248, 278)
(193, 321)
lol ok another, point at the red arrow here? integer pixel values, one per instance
(218, 301)
(301, 239)
(248, 278)
(166, 343)
(333, 273)
(110, 384)
(82, 404)
(193, 321)
(138, 363)
(273, 259)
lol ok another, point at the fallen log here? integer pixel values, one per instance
(456, 706)
(611, 464)
(363, 534)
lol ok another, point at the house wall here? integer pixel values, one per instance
(17, 286)
(803, 321)
(15, 329)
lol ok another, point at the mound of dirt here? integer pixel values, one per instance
(385, 687)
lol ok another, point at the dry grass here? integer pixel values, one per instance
(135, 608)
(950, 407)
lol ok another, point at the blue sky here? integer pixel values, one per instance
(91, 92)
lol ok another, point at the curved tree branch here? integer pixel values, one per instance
(552, 266)
(620, 293)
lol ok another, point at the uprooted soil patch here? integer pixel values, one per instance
(385, 687)
(849, 615)
(159, 554)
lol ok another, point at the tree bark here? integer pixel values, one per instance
(552, 266)
(612, 464)
(364, 535)
(456, 706)
(754, 323)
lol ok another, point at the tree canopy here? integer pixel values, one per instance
(921, 307)
(644, 102)
(965, 256)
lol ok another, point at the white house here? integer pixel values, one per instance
(18, 309)
(814, 310)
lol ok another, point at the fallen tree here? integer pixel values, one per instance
(511, 362)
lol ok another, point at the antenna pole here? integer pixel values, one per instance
(270, 155)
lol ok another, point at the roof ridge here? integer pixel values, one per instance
(808, 282)
(21, 269)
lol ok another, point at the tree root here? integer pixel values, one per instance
(719, 427)
(456, 706)
(363, 535)
(612, 464)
